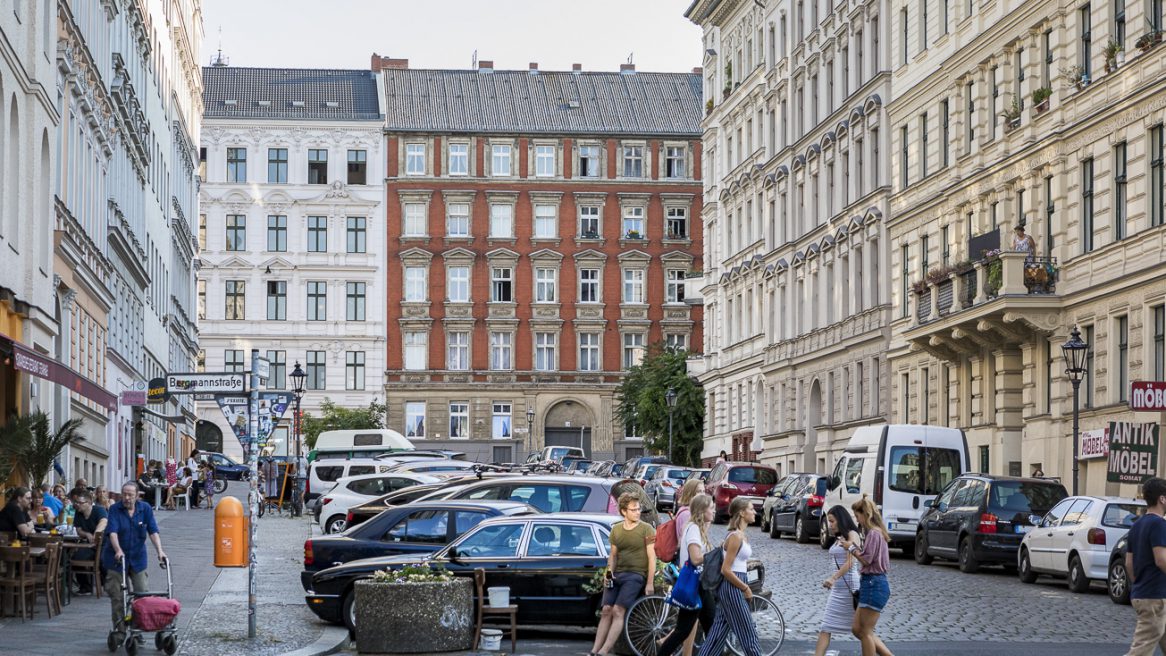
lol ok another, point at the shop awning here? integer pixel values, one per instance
(42, 366)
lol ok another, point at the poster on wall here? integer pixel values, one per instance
(1133, 452)
(272, 405)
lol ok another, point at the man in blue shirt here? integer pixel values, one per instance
(51, 502)
(130, 522)
(1146, 566)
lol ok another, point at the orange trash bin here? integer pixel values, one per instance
(230, 533)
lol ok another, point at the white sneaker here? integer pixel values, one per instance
(833, 652)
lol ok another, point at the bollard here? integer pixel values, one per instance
(230, 534)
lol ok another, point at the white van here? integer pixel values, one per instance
(901, 467)
(359, 443)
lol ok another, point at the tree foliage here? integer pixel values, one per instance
(29, 445)
(642, 404)
(334, 417)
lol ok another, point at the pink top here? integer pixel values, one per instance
(875, 553)
(682, 517)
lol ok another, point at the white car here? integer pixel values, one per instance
(436, 465)
(1075, 538)
(355, 490)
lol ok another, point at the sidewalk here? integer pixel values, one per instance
(214, 602)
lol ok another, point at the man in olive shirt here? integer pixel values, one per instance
(631, 570)
(15, 518)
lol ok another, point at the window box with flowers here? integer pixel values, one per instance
(1149, 40)
(1076, 77)
(633, 234)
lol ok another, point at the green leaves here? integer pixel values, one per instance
(642, 404)
(28, 445)
(334, 417)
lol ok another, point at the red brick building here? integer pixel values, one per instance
(540, 228)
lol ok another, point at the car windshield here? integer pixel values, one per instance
(677, 474)
(755, 475)
(1010, 499)
(496, 541)
(650, 471)
(1121, 515)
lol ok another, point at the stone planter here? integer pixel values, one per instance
(411, 618)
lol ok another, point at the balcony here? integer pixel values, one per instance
(1003, 301)
(693, 282)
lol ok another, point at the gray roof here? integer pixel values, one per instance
(519, 102)
(290, 93)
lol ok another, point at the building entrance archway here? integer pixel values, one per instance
(569, 423)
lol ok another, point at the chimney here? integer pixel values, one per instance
(627, 69)
(381, 63)
(485, 66)
(698, 71)
(534, 68)
(576, 68)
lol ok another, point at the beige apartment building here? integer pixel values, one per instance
(1025, 113)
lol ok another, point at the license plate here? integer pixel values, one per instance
(890, 526)
(1023, 528)
(752, 575)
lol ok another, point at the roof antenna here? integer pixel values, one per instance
(219, 61)
(474, 60)
(630, 56)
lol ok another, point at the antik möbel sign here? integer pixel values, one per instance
(1148, 396)
(1133, 452)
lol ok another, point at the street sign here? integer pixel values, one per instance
(224, 383)
(156, 391)
(133, 398)
(264, 368)
(1148, 395)
(1133, 452)
(1094, 444)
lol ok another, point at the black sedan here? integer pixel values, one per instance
(544, 559)
(799, 510)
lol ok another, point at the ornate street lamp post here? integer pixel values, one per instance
(530, 429)
(670, 399)
(298, 377)
(1075, 351)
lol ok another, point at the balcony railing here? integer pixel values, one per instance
(1006, 274)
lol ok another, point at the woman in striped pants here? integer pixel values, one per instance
(733, 595)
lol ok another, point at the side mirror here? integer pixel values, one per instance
(1036, 520)
(453, 556)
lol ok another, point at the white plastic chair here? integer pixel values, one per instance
(183, 500)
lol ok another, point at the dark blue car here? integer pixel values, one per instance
(225, 469)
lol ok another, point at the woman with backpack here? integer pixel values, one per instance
(696, 543)
(734, 594)
(843, 580)
(874, 590)
(684, 497)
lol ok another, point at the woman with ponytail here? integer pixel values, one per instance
(874, 590)
(734, 594)
(695, 542)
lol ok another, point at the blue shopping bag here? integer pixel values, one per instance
(686, 593)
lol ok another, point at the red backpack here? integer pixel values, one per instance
(666, 542)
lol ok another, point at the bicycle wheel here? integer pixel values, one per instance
(647, 621)
(770, 627)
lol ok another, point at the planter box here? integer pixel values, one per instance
(1041, 107)
(411, 618)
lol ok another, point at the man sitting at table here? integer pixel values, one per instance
(146, 487)
(90, 520)
(15, 518)
(50, 501)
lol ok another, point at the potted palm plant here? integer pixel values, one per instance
(34, 445)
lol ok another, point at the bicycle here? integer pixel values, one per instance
(652, 618)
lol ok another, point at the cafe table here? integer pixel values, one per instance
(70, 545)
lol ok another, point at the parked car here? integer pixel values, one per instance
(633, 465)
(438, 465)
(1075, 538)
(355, 490)
(729, 480)
(800, 509)
(664, 485)
(776, 496)
(647, 472)
(901, 467)
(225, 468)
(555, 453)
(615, 471)
(599, 467)
(549, 493)
(1118, 580)
(323, 474)
(701, 473)
(981, 518)
(413, 529)
(578, 467)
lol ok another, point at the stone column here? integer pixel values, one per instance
(1009, 392)
(1012, 274)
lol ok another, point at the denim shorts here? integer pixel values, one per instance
(627, 588)
(873, 592)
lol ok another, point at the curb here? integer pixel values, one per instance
(334, 639)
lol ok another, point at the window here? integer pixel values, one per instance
(1122, 328)
(317, 300)
(497, 541)
(633, 285)
(589, 161)
(415, 223)
(923, 24)
(414, 159)
(202, 232)
(277, 378)
(458, 351)
(459, 159)
(589, 222)
(904, 160)
(545, 284)
(676, 342)
(501, 285)
(277, 300)
(458, 284)
(354, 370)
(633, 161)
(1047, 62)
(317, 166)
(236, 165)
(357, 234)
(277, 234)
(677, 218)
(457, 219)
(922, 470)
(416, 348)
(459, 420)
(236, 292)
(1086, 52)
(416, 285)
(202, 299)
(355, 295)
(544, 161)
(633, 222)
(500, 162)
(588, 351)
(1157, 178)
(501, 350)
(993, 101)
(1087, 205)
(904, 282)
(236, 232)
(315, 369)
(1119, 193)
(675, 286)
(415, 419)
(674, 160)
(546, 221)
(1155, 20)
(501, 221)
(544, 351)
(502, 422)
(1050, 207)
(924, 254)
(233, 361)
(633, 349)
(357, 167)
(277, 165)
(923, 146)
(1159, 357)
(903, 36)
(969, 93)
(420, 527)
(317, 234)
(1087, 401)
(588, 285)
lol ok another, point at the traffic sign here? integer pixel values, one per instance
(264, 368)
(203, 383)
(1148, 396)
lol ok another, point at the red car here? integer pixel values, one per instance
(729, 480)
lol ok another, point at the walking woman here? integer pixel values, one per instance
(684, 497)
(733, 595)
(842, 582)
(874, 591)
(631, 567)
(695, 543)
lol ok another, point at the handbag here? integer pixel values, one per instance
(710, 576)
(686, 592)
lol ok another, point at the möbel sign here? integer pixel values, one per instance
(1148, 396)
(203, 383)
(1133, 452)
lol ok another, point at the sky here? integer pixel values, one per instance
(600, 34)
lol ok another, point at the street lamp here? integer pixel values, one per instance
(530, 429)
(1075, 350)
(670, 399)
(298, 376)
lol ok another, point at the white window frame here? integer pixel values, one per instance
(633, 286)
(457, 350)
(459, 153)
(415, 159)
(586, 280)
(676, 215)
(416, 284)
(545, 351)
(456, 219)
(544, 161)
(501, 160)
(589, 356)
(458, 284)
(414, 224)
(354, 370)
(633, 349)
(502, 421)
(459, 420)
(546, 221)
(678, 155)
(631, 155)
(497, 277)
(674, 285)
(676, 341)
(501, 351)
(546, 285)
(414, 420)
(584, 151)
(416, 346)
(501, 216)
(588, 213)
(633, 219)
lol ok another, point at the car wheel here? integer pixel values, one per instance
(1078, 581)
(921, 555)
(773, 532)
(336, 524)
(968, 562)
(800, 533)
(220, 486)
(1024, 571)
(349, 611)
(1118, 583)
(824, 533)
(766, 523)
